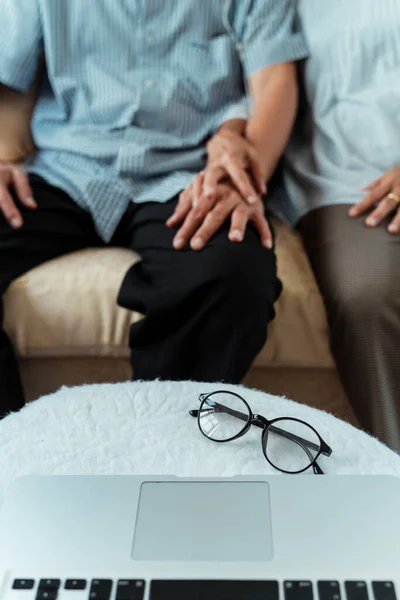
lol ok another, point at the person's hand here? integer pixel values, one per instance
(231, 155)
(202, 221)
(13, 176)
(385, 192)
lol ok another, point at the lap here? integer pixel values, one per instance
(346, 255)
(143, 230)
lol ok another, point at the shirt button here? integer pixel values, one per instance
(149, 82)
(142, 123)
(149, 38)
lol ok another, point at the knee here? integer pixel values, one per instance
(246, 277)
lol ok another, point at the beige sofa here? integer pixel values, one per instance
(67, 329)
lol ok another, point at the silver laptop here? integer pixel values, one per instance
(165, 538)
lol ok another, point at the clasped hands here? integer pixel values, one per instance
(232, 185)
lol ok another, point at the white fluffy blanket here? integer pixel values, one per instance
(145, 428)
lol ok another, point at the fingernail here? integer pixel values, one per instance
(179, 243)
(209, 191)
(372, 222)
(252, 199)
(269, 244)
(264, 188)
(394, 228)
(16, 222)
(236, 236)
(352, 212)
(195, 202)
(197, 244)
(31, 202)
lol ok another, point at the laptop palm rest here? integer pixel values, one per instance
(203, 521)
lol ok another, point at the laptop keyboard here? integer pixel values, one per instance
(135, 589)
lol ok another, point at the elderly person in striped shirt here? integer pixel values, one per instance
(131, 94)
(342, 177)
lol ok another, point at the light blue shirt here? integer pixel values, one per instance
(348, 133)
(134, 88)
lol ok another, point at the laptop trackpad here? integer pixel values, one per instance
(203, 521)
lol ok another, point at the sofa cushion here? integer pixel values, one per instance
(67, 307)
(15, 115)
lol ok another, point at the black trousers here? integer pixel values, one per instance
(206, 313)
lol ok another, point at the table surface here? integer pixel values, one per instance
(144, 427)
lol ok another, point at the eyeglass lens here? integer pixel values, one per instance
(223, 416)
(291, 445)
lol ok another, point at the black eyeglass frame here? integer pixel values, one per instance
(266, 425)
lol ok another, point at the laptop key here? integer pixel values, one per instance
(356, 590)
(75, 584)
(100, 589)
(130, 589)
(23, 584)
(383, 590)
(298, 590)
(46, 594)
(192, 589)
(49, 584)
(329, 590)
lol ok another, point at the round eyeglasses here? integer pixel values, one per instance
(289, 445)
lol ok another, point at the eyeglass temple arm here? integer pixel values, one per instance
(261, 425)
(317, 469)
(295, 438)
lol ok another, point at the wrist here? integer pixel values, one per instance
(267, 155)
(237, 126)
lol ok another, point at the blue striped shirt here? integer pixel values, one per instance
(134, 88)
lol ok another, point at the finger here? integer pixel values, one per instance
(212, 176)
(258, 177)
(377, 194)
(192, 222)
(261, 224)
(373, 184)
(394, 226)
(23, 189)
(385, 207)
(239, 220)
(213, 222)
(240, 179)
(198, 188)
(182, 208)
(9, 209)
